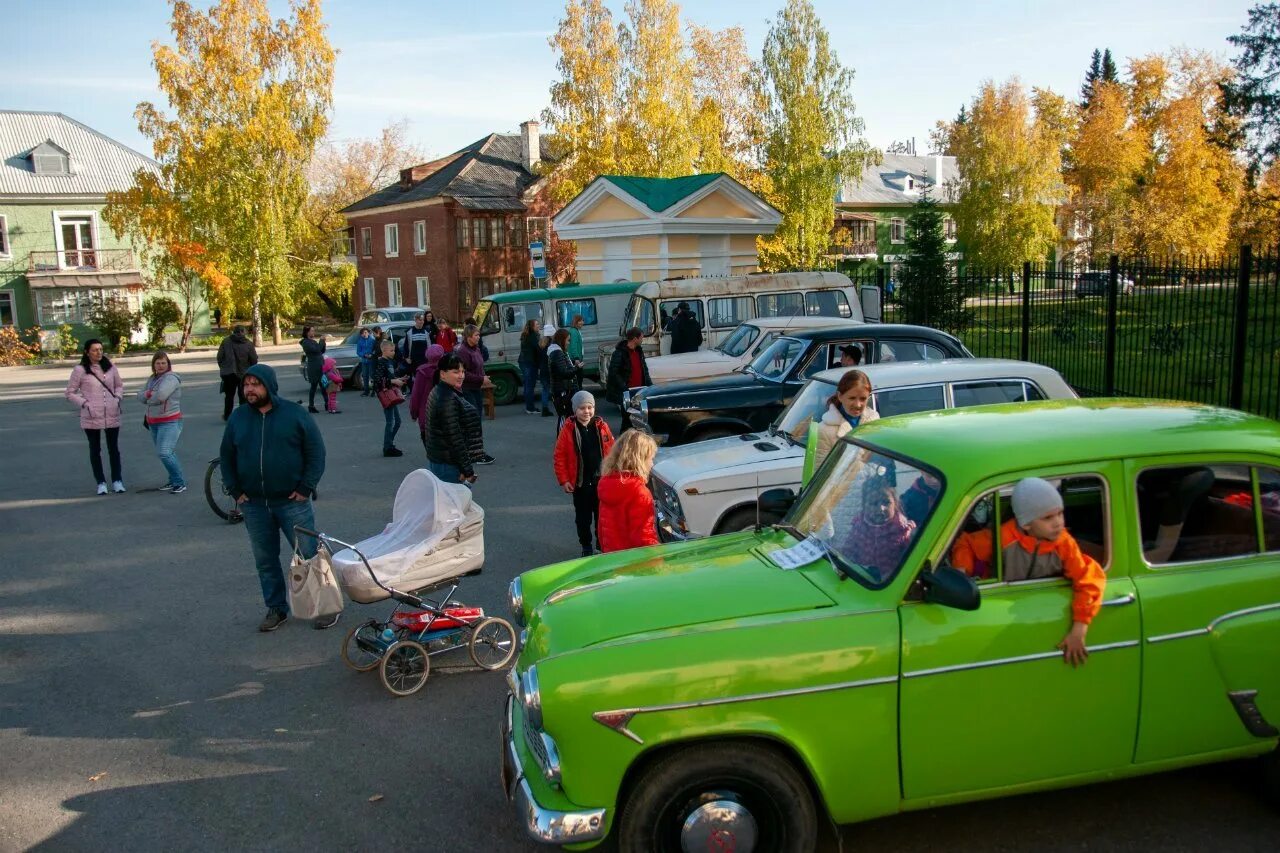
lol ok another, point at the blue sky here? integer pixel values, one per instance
(458, 71)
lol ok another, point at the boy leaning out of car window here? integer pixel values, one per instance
(1035, 544)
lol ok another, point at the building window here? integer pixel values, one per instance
(420, 237)
(424, 292)
(47, 159)
(897, 230)
(391, 240)
(393, 292)
(495, 232)
(949, 229)
(479, 234)
(7, 317)
(366, 242)
(58, 305)
(464, 234)
(516, 228)
(5, 251)
(370, 297)
(74, 235)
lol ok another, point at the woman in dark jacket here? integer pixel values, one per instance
(313, 349)
(453, 427)
(529, 363)
(385, 376)
(563, 376)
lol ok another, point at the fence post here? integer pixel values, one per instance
(1024, 351)
(884, 305)
(1235, 397)
(1109, 366)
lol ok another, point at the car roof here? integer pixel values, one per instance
(874, 331)
(900, 373)
(1049, 433)
(572, 291)
(801, 323)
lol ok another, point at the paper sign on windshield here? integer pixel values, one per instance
(802, 553)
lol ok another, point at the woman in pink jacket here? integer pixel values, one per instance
(97, 389)
(424, 379)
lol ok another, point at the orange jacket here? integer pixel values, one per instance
(1087, 577)
(568, 455)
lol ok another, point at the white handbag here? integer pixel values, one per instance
(313, 590)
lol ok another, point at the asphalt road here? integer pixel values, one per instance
(141, 710)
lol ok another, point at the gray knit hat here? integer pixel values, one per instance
(1034, 498)
(582, 398)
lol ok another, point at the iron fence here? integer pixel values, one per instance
(1206, 330)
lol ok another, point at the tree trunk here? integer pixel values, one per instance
(257, 320)
(277, 335)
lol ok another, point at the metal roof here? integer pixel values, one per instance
(887, 183)
(876, 332)
(487, 172)
(899, 373)
(99, 164)
(573, 291)
(660, 193)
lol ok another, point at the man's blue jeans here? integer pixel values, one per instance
(366, 374)
(446, 472)
(392, 415)
(165, 437)
(265, 521)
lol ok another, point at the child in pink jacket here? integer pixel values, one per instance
(334, 384)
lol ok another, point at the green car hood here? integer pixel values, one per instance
(662, 589)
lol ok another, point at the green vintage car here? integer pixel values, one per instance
(700, 696)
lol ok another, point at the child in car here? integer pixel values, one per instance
(1035, 544)
(879, 534)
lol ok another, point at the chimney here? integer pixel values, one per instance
(937, 171)
(530, 150)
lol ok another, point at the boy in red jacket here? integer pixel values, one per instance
(1036, 544)
(626, 507)
(583, 444)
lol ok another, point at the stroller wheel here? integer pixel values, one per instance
(404, 668)
(360, 648)
(493, 643)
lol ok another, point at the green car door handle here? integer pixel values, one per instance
(1127, 598)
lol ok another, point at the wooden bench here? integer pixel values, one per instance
(490, 408)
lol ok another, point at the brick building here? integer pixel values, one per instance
(451, 231)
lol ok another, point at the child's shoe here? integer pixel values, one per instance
(102, 488)
(118, 487)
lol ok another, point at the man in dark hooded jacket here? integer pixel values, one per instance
(685, 330)
(272, 458)
(235, 356)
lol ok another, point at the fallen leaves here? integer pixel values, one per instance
(96, 776)
(375, 798)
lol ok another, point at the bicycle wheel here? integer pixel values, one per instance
(220, 500)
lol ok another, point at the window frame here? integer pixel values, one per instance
(422, 284)
(370, 293)
(92, 296)
(479, 233)
(949, 229)
(595, 310)
(462, 233)
(712, 300)
(839, 294)
(1135, 469)
(6, 246)
(998, 380)
(781, 295)
(390, 235)
(420, 237)
(897, 230)
(59, 216)
(366, 241)
(496, 232)
(6, 295)
(395, 298)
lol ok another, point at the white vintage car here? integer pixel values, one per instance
(710, 487)
(743, 344)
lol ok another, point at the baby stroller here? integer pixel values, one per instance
(435, 538)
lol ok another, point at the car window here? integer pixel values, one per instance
(903, 401)
(515, 316)
(856, 506)
(909, 351)
(765, 339)
(739, 340)
(819, 360)
(807, 406)
(1269, 493)
(996, 391)
(370, 318)
(780, 305)
(727, 311)
(776, 362)
(827, 303)
(1196, 512)
(667, 310)
(1084, 505)
(567, 309)
(350, 340)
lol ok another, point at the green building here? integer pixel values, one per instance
(58, 259)
(870, 228)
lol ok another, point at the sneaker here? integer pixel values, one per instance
(326, 622)
(547, 413)
(273, 620)
(392, 451)
(102, 488)
(485, 460)
(118, 487)
(167, 487)
(177, 490)
(531, 411)
(313, 410)
(335, 411)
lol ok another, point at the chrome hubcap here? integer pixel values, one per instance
(720, 826)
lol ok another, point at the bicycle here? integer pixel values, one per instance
(221, 501)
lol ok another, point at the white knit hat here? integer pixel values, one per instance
(548, 329)
(1034, 498)
(582, 398)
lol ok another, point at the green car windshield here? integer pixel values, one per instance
(868, 509)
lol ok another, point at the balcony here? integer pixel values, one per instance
(82, 261)
(853, 249)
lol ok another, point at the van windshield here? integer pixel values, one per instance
(740, 340)
(487, 317)
(639, 315)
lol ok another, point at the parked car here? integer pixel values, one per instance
(344, 353)
(713, 487)
(700, 409)
(1095, 284)
(734, 352)
(382, 316)
(667, 692)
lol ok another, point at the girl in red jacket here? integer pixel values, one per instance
(584, 442)
(626, 507)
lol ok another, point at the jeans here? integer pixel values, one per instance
(366, 375)
(475, 397)
(265, 521)
(446, 472)
(392, 414)
(586, 511)
(165, 437)
(113, 452)
(231, 387)
(544, 376)
(529, 373)
(311, 399)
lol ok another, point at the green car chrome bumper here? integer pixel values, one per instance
(542, 824)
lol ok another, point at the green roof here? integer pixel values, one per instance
(660, 193)
(569, 291)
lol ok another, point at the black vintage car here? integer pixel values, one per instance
(749, 400)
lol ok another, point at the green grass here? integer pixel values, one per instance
(1171, 344)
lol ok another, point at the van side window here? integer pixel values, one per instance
(667, 310)
(826, 303)
(567, 309)
(999, 391)
(780, 305)
(515, 316)
(726, 311)
(1196, 512)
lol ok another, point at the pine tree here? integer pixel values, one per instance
(929, 296)
(1255, 93)
(1109, 73)
(1090, 77)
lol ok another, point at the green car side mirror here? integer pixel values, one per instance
(950, 587)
